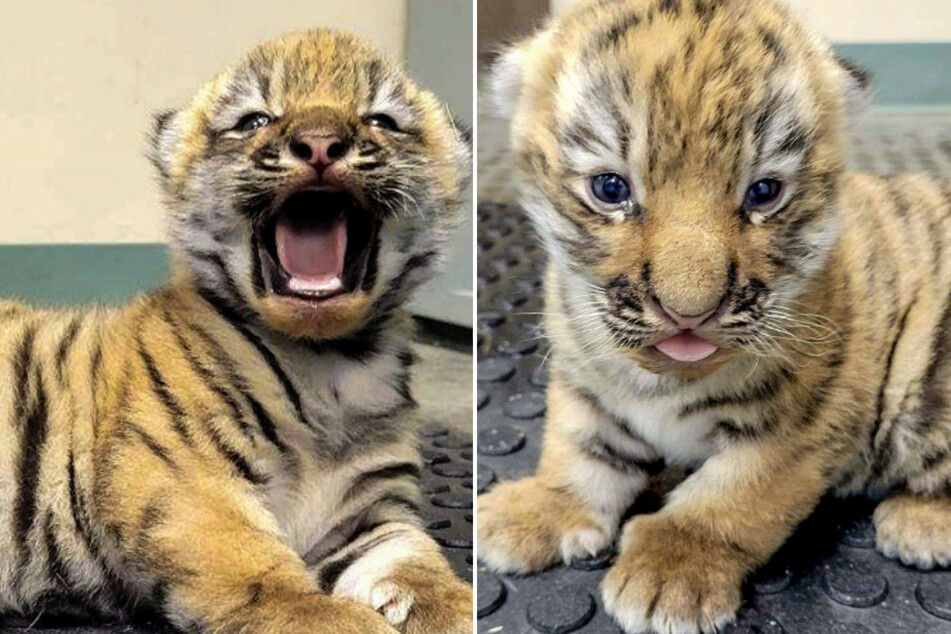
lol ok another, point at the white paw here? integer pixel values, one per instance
(584, 543)
(916, 533)
(392, 601)
(386, 597)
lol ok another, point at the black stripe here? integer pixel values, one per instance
(236, 459)
(64, 345)
(153, 445)
(757, 393)
(393, 501)
(33, 439)
(76, 509)
(880, 401)
(21, 368)
(374, 75)
(369, 276)
(113, 589)
(598, 449)
(238, 382)
(612, 35)
(595, 403)
(264, 167)
(178, 416)
(391, 297)
(935, 459)
(331, 572)
(153, 515)
(161, 389)
(735, 430)
(934, 400)
(55, 566)
(266, 424)
(209, 380)
(390, 472)
(95, 365)
(235, 320)
(32, 442)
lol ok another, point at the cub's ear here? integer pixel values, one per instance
(859, 91)
(162, 140)
(506, 79)
(463, 146)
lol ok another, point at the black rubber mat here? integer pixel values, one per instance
(447, 508)
(828, 579)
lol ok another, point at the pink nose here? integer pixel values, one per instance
(686, 322)
(319, 149)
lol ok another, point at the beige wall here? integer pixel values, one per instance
(868, 20)
(80, 79)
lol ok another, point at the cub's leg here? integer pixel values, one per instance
(680, 569)
(590, 471)
(398, 570)
(204, 545)
(915, 528)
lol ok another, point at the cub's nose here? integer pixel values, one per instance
(318, 148)
(684, 322)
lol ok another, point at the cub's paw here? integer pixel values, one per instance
(671, 581)
(915, 529)
(525, 527)
(419, 595)
(302, 614)
(386, 596)
(443, 604)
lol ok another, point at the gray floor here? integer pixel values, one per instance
(443, 386)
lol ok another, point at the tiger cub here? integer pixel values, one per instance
(721, 294)
(237, 449)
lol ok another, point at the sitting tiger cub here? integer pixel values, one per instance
(721, 294)
(237, 449)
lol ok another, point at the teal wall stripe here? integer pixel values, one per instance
(906, 74)
(70, 274)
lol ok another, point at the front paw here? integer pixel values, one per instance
(443, 605)
(525, 527)
(303, 613)
(417, 596)
(672, 581)
(915, 529)
(388, 597)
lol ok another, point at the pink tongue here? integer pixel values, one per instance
(311, 251)
(686, 348)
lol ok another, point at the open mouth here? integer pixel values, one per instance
(317, 246)
(686, 347)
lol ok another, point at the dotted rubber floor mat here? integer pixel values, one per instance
(446, 484)
(827, 579)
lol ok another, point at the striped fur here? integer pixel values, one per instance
(239, 461)
(831, 314)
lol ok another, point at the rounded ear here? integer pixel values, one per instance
(162, 139)
(506, 79)
(463, 146)
(859, 92)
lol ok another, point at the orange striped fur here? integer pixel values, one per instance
(829, 311)
(238, 459)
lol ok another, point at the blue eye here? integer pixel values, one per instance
(762, 194)
(610, 188)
